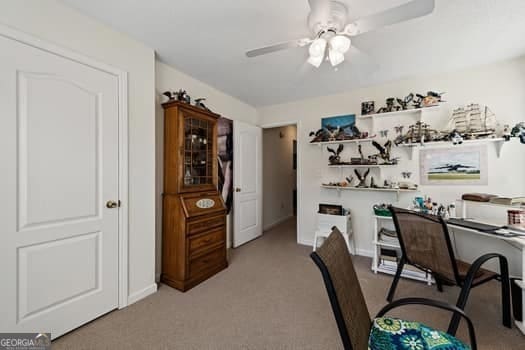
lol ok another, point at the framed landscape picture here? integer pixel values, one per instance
(345, 123)
(454, 166)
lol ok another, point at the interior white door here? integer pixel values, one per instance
(247, 183)
(59, 166)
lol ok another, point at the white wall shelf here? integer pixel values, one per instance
(401, 112)
(498, 142)
(356, 141)
(373, 166)
(417, 112)
(349, 188)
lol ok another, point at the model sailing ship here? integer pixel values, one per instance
(472, 122)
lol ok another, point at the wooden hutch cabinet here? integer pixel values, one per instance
(194, 215)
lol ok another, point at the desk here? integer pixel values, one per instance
(517, 242)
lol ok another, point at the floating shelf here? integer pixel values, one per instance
(370, 139)
(396, 113)
(498, 142)
(391, 190)
(361, 166)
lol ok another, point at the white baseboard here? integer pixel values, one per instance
(276, 223)
(308, 242)
(365, 252)
(141, 294)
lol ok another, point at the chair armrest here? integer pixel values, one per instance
(435, 304)
(476, 265)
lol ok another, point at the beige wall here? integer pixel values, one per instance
(278, 175)
(169, 78)
(60, 25)
(500, 86)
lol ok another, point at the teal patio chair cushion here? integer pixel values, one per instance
(395, 334)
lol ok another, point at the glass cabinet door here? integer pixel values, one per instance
(198, 152)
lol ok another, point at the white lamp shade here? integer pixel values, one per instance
(318, 47)
(335, 57)
(316, 61)
(340, 43)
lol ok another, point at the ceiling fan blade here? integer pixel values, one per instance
(408, 11)
(278, 47)
(319, 4)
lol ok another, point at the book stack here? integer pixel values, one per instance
(388, 236)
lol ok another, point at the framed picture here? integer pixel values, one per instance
(346, 124)
(368, 107)
(330, 209)
(454, 166)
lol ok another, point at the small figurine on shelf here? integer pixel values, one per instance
(362, 178)
(384, 153)
(519, 131)
(389, 106)
(350, 180)
(373, 183)
(456, 137)
(335, 158)
(200, 104)
(506, 133)
(367, 107)
(404, 102)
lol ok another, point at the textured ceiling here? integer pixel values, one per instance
(207, 40)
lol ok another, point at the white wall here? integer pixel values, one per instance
(170, 79)
(278, 174)
(500, 86)
(60, 25)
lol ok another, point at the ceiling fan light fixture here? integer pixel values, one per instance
(335, 57)
(316, 61)
(340, 43)
(318, 48)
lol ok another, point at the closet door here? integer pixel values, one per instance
(59, 191)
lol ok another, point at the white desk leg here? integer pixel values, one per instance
(521, 325)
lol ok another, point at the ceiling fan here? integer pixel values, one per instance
(328, 23)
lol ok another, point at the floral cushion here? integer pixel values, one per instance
(394, 334)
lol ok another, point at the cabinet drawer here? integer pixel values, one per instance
(204, 241)
(204, 224)
(208, 261)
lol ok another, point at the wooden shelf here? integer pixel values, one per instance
(396, 113)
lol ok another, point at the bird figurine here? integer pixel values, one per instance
(362, 178)
(335, 158)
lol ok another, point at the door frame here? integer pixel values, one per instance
(122, 78)
(299, 215)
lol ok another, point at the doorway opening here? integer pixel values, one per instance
(280, 181)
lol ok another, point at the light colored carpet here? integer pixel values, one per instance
(271, 297)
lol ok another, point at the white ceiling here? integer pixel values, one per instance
(207, 40)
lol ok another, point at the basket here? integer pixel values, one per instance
(382, 212)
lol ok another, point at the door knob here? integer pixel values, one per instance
(237, 189)
(112, 204)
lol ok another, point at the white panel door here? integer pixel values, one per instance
(59, 166)
(247, 199)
